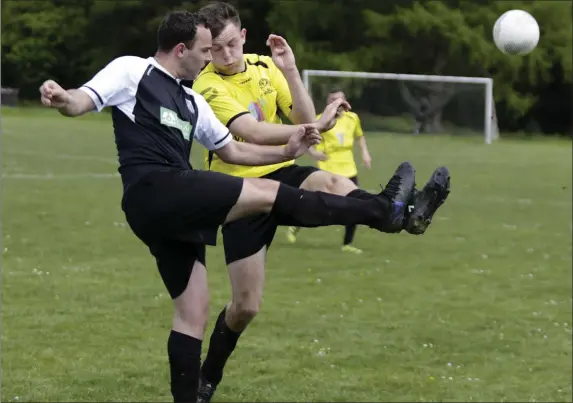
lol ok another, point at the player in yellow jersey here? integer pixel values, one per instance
(245, 92)
(338, 145)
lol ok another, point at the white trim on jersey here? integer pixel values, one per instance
(116, 84)
(210, 132)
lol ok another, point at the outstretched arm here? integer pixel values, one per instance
(240, 153)
(252, 131)
(110, 86)
(69, 103)
(289, 85)
(215, 136)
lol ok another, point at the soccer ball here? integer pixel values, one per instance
(516, 32)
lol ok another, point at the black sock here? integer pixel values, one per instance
(349, 234)
(303, 208)
(361, 194)
(221, 346)
(185, 363)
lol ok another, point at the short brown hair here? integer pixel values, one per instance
(217, 15)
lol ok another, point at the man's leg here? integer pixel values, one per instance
(428, 200)
(246, 241)
(328, 182)
(350, 231)
(182, 268)
(298, 207)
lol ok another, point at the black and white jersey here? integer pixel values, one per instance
(155, 117)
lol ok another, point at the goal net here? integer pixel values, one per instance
(411, 104)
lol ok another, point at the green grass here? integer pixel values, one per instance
(478, 309)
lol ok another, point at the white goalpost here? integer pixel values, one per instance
(489, 125)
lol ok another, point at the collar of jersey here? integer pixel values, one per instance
(234, 74)
(158, 66)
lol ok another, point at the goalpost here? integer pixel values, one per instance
(425, 99)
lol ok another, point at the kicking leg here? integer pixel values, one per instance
(428, 200)
(327, 182)
(298, 207)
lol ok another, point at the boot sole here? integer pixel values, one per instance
(439, 183)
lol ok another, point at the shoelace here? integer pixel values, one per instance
(393, 186)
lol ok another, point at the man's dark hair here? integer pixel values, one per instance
(217, 15)
(334, 90)
(178, 27)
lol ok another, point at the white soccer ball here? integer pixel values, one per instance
(516, 32)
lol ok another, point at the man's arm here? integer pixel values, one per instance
(239, 153)
(252, 131)
(69, 103)
(248, 154)
(303, 110)
(248, 128)
(359, 134)
(108, 87)
(216, 137)
(292, 96)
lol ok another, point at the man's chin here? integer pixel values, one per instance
(227, 68)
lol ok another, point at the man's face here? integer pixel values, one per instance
(195, 58)
(333, 96)
(227, 51)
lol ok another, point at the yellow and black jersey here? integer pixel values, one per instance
(261, 89)
(338, 142)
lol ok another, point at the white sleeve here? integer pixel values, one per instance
(113, 84)
(210, 132)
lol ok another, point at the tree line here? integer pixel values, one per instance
(69, 40)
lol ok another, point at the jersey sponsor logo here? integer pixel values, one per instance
(239, 139)
(209, 93)
(265, 86)
(256, 110)
(169, 118)
(246, 81)
(340, 138)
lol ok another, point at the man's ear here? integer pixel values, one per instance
(243, 35)
(179, 49)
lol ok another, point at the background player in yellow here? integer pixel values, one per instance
(338, 145)
(246, 91)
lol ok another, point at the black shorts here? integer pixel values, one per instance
(247, 236)
(176, 213)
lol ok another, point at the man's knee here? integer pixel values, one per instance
(247, 282)
(262, 191)
(327, 182)
(257, 196)
(247, 306)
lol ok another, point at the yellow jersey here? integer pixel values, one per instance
(338, 142)
(259, 90)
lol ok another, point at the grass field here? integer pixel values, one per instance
(478, 309)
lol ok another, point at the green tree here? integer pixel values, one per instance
(43, 39)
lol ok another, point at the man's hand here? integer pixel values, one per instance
(366, 160)
(331, 113)
(306, 137)
(53, 95)
(317, 155)
(282, 54)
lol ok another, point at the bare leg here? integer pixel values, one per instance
(247, 280)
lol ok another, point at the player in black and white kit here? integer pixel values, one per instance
(176, 210)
